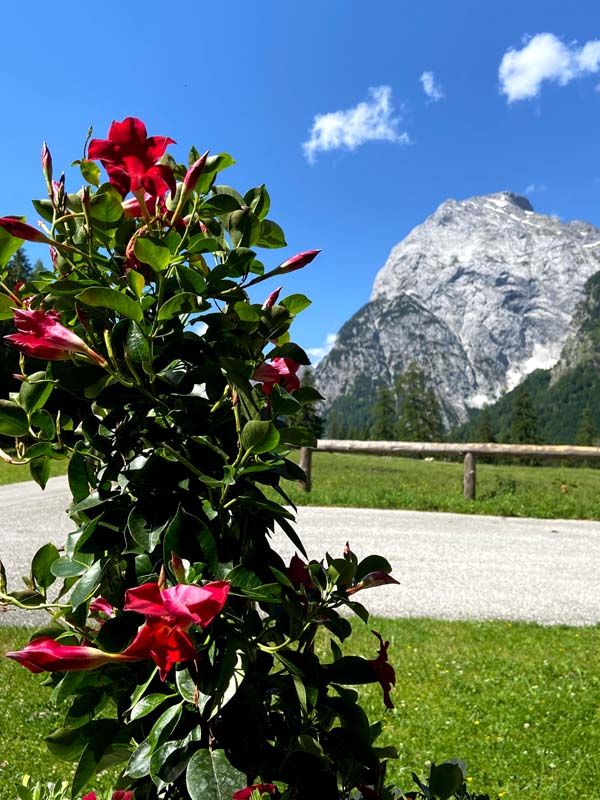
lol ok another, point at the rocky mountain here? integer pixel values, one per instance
(561, 397)
(479, 295)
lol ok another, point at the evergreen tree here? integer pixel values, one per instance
(384, 415)
(523, 424)
(308, 416)
(18, 269)
(335, 427)
(419, 412)
(587, 432)
(484, 431)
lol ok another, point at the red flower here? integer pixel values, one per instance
(298, 573)
(123, 794)
(20, 230)
(169, 615)
(130, 157)
(261, 788)
(383, 670)
(48, 655)
(281, 371)
(40, 334)
(378, 578)
(101, 606)
(298, 261)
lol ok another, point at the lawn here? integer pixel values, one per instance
(520, 703)
(384, 482)
(387, 482)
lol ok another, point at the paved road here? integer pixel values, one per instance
(451, 566)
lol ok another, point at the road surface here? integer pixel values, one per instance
(450, 566)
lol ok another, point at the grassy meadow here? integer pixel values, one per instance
(359, 481)
(520, 703)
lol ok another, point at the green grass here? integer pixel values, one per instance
(520, 703)
(383, 482)
(12, 474)
(386, 482)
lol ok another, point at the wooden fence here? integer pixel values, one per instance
(468, 451)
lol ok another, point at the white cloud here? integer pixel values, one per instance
(545, 58)
(317, 353)
(369, 121)
(534, 188)
(432, 89)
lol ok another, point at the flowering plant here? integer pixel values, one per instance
(183, 643)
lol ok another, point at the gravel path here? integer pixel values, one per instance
(451, 566)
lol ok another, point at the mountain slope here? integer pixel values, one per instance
(479, 295)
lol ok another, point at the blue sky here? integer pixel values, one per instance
(253, 78)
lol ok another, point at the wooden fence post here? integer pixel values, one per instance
(470, 476)
(306, 464)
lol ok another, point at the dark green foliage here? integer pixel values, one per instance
(523, 422)
(384, 415)
(587, 432)
(308, 415)
(419, 413)
(351, 417)
(18, 269)
(484, 431)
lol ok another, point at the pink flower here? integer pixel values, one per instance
(47, 164)
(48, 655)
(131, 158)
(298, 261)
(169, 615)
(281, 371)
(41, 335)
(371, 580)
(261, 788)
(383, 670)
(272, 298)
(20, 230)
(101, 606)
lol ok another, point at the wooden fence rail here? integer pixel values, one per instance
(469, 451)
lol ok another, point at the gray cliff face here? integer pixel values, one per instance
(479, 295)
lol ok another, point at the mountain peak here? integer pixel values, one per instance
(494, 286)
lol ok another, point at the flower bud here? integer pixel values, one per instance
(298, 261)
(47, 165)
(192, 176)
(178, 568)
(20, 230)
(272, 298)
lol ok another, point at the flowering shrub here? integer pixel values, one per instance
(183, 643)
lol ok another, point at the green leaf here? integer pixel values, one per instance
(270, 235)
(182, 303)
(259, 436)
(86, 585)
(8, 246)
(372, 564)
(148, 704)
(295, 303)
(105, 205)
(13, 420)
(90, 171)
(78, 477)
(43, 421)
(136, 344)
(6, 307)
(41, 564)
(99, 297)
(34, 392)
(445, 779)
(210, 776)
(203, 244)
(258, 200)
(303, 437)
(70, 568)
(244, 228)
(40, 470)
(145, 532)
(219, 204)
(136, 281)
(155, 255)
(246, 312)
